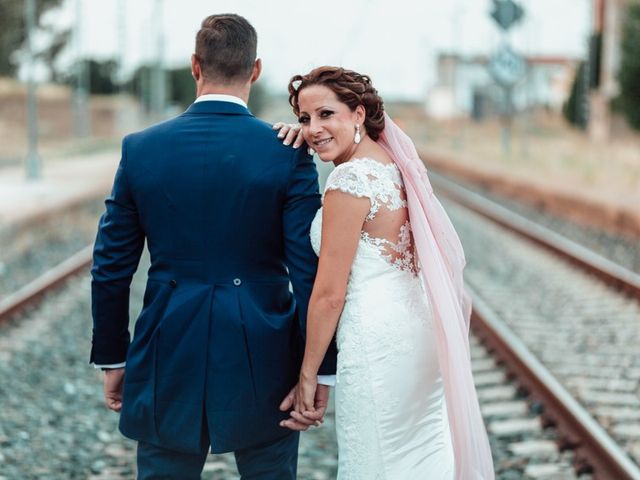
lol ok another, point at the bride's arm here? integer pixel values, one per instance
(342, 220)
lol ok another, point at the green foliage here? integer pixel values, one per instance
(183, 87)
(258, 99)
(595, 59)
(183, 91)
(575, 108)
(13, 32)
(140, 85)
(629, 74)
(102, 76)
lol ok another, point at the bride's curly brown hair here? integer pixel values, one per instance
(350, 87)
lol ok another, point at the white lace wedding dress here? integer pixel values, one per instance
(390, 410)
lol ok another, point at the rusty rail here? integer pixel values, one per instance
(610, 272)
(592, 445)
(594, 449)
(51, 279)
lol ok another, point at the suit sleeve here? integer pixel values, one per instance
(116, 254)
(302, 203)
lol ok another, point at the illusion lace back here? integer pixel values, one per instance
(390, 411)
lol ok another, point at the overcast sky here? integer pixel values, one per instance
(394, 41)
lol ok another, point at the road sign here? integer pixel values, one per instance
(506, 66)
(506, 13)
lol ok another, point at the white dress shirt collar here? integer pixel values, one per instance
(218, 97)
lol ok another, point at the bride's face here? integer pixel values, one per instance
(328, 125)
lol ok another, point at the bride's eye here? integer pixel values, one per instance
(303, 119)
(326, 113)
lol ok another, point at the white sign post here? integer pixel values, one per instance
(505, 65)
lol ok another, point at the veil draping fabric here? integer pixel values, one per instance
(442, 258)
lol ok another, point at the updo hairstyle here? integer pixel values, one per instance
(350, 87)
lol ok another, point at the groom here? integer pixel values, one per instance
(225, 210)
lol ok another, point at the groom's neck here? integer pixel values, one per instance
(240, 91)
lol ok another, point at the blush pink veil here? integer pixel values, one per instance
(442, 260)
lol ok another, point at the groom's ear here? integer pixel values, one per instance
(257, 70)
(196, 71)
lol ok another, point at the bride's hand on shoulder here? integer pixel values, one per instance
(289, 132)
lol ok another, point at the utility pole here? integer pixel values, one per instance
(599, 81)
(33, 159)
(459, 64)
(122, 116)
(506, 66)
(158, 80)
(82, 125)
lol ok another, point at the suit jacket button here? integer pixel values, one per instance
(173, 284)
(237, 282)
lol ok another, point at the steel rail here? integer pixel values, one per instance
(592, 444)
(610, 272)
(51, 279)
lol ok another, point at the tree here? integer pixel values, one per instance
(258, 98)
(575, 108)
(102, 76)
(183, 91)
(140, 85)
(183, 87)
(629, 74)
(13, 32)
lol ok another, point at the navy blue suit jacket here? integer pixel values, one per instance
(225, 209)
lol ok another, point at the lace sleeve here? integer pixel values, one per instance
(349, 179)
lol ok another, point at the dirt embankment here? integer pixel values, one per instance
(550, 165)
(108, 115)
(586, 207)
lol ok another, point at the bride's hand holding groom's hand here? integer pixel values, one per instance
(304, 401)
(302, 417)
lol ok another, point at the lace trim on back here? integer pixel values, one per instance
(382, 185)
(400, 254)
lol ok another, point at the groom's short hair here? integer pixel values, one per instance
(226, 48)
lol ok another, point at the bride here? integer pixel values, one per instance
(389, 287)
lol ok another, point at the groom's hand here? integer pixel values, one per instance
(300, 422)
(296, 421)
(113, 380)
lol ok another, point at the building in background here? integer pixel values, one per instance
(464, 87)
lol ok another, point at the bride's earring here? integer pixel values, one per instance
(357, 137)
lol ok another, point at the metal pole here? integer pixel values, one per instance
(82, 117)
(507, 121)
(122, 114)
(460, 115)
(122, 44)
(159, 91)
(528, 104)
(33, 159)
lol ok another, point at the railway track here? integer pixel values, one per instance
(594, 450)
(611, 273)
(52, 279)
